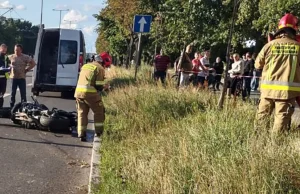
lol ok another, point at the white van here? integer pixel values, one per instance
(59, 54)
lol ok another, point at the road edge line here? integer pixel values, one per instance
(94, 178)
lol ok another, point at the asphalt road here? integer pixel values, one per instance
(42, 162)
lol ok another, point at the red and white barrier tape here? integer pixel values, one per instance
(194, 72)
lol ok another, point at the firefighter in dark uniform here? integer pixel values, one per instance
(279, 61)
(4, 69)
(87, 94)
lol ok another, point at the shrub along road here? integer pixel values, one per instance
(42, 162)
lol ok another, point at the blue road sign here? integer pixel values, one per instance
(142, 23)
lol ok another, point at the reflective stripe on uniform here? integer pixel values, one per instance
(88, 89)
(89, 67)
(279, 85)
(100, 82)
(294, 66)
(2, 76)
(99, 124)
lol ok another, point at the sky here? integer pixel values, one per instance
(80, 15)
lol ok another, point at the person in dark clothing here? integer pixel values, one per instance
(218, 66)
(248, 71)
(4, 69)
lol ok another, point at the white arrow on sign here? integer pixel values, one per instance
(142, 23)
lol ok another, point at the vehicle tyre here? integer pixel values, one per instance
(5, 112)
(68, 95)
(60, 124)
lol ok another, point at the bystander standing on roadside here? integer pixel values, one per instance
(235, 72)
(256, 77)
(185, 67)
(19, 68)
(196, 69)
(205, 62)
(161, 64)
(219, 69)
(248, 72)
(4, 69)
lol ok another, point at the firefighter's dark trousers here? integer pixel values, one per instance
(3, 83)
(83, 107)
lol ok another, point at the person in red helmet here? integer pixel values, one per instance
(279, 61)
(106, 58)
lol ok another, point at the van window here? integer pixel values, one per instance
(68, 51)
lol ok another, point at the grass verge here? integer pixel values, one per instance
(159, 140)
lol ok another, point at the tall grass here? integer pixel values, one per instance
(159, 140)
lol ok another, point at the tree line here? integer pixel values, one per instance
(202, 23)
(18, 32)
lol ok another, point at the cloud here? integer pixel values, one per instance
(89, 30)
(7, 4)
(20, 7)
(74, 16)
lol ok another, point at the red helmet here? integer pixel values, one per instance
(106, 58)
(288, 21)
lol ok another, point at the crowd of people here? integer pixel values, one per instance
(202, 73)
(276, 67)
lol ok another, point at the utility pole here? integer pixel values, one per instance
(60, 10)
(70, 22)
(221, 99)
(42, 4)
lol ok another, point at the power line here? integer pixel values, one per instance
(9, 9)
(18, 14)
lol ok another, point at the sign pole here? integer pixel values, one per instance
(141, 24)
(138, 59)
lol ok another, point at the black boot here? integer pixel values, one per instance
(99, 134)
(83, 137)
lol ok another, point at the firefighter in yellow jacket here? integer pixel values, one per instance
(280, 84)
(87, 94)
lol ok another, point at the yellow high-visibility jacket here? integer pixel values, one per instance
(280, 64)
(91, 76)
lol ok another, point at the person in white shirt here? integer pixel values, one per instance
(235, 72)
(205, 62)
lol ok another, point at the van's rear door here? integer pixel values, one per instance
(37, 54)
(68, 57)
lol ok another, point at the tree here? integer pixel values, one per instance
(17, 31)
(203, 23)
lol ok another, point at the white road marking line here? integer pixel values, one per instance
(8, 94)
